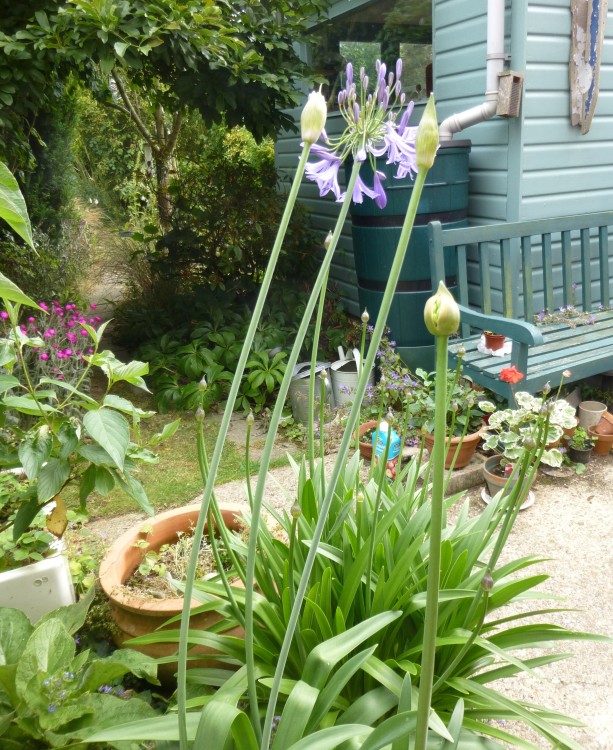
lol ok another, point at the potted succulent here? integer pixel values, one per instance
(465, 417)
(580, 446)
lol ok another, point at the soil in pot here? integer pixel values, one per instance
(365, 432)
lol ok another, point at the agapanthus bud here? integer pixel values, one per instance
(398, 68)
(313, 117)
(199, 414)
(250, 419)
(365, 317)
(426, 141)
(487, 582)
(202, 385)
(461, 352)
(295, 511)
(529, 443)
(547, 388)
(328, 240)
(349, 74)
(356, 112)
(454, 407)
(441, 313)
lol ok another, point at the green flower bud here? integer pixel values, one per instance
(313, 117)
(426, 142)
(365, 316)
(529, 443)
(441, 313)
(454, 407)
(547, 388)
(250, 418)
(199, 414)
(328, 240)
(202, 385)
(295, 511)
(461, 352)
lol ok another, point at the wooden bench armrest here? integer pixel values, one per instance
(518, 330)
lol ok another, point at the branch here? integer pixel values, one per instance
(134, 116)
(118, 107)
(174, 133)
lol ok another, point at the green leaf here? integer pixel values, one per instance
(49, 649)
(126, 406)
(219, 722)
(27, 405)
(135, 489)
(15, 629)
(52, 478)
(111, 431)
(120, 48)
(167, 431)
(7, 382)
(119, 663)
(34, 450)
(104, 482)
(13, 210)
(157, 728)
(73, 615)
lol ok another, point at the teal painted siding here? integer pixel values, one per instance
(563, 172)
(460, 30)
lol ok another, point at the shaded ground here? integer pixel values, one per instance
(569, 526)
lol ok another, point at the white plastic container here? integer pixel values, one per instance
(37, 588)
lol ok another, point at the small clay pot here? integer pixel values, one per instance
(494, 341)
(366, 445)
(604, 442)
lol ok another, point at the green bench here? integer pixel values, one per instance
(559, 262)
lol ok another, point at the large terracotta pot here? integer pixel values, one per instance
(495, 482)
(468, 446)
(136, 615)
(603, 444)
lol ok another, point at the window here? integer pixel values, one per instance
(385, 30)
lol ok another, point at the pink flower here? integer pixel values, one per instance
(44, 356)
(4, 315)
(31, 319)
(90, 351)
(68, 352)
(44, 305)
(84, 332)
(92, 307)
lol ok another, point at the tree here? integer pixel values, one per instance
(234, 59)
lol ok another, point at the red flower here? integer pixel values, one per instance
(511, 374)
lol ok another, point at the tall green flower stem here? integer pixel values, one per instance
(269, 445)
(434, 554)
(316, 333)
(343, 450)
(219, 445)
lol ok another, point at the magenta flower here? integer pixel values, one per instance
(44, 305)
(44, 356)
(92, 307)
(84, 332)
(4, 315)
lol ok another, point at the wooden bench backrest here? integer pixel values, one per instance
(578, 245)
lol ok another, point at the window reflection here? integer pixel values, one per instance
(383, 29)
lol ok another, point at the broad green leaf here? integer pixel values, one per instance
(73, 615)
(328, 739)
(27, 405)
(49, 649)
(167, 432)
(15, 629)
(52, 478)
(95, 454)
(119, 663)
(120, 48)
(111, 431)
(104, 481)
(7, 382)
(13, 210)
(34, 450)
(156, 728)
(295, 716)
(135, 489)
(126, 406)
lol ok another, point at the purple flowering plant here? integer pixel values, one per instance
(377, 126)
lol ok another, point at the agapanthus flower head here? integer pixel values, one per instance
(377, 126)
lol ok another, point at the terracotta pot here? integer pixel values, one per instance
(590, 413)
(494, 341)
(139, 615)
(605, 426)
(495, 482)
(468, 446)
(366, 445)
(604, 442)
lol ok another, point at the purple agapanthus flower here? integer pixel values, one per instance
(373, 131)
